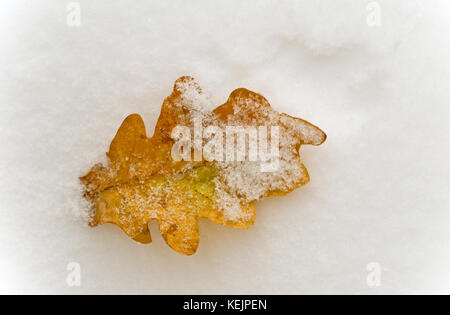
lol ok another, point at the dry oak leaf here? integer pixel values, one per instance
(143, 181)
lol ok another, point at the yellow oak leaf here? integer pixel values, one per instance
(166, 178)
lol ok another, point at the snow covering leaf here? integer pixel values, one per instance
(143, 182)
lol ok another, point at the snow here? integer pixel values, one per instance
(379, 187)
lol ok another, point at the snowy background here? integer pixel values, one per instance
(375, 76)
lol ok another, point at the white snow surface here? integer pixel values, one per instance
(379, 189)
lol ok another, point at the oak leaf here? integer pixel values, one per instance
(144, 181)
